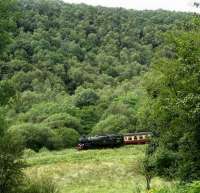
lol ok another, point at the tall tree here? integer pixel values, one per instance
(7, 21)
(10, 150)
(174, 104)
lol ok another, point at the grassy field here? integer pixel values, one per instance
(92, 171)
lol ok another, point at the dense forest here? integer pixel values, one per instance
(76, 68)
(71, 70)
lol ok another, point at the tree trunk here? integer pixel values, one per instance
(148, 181)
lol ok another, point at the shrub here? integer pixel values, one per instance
(194, 187)
(11, 164)
(69, 137)
(36, 136)
(165, 163)
(59, 120)
(6, 90)
(89, 116)
(85, 97)
(189, 188)
(42, 137)
(112, 124)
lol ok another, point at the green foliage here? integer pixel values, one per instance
(176, 189)
(11, 164)
(85, 97)
(6, 92)
(112, 124)
(46, 124)
(3, 123)
(52, 133)
(172, 107)
(36, 136)
(194, 187)
(59, 120)
(89, 117)
(165, 163)
(147, 169)
(7, 21)
(69, 137)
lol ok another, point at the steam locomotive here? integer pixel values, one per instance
(111, 141)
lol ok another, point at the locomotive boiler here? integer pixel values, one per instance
(104, 141)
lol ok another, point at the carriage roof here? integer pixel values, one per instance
(138, 133)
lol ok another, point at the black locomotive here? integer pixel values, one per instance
(105, 141)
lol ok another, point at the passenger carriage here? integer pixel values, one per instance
(137, 138)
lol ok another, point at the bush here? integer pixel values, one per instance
(11, 164)
(89, 116)
(69, 137)
(85, 97)
(36, 136)
(194, 187)
(165, 161)
(6, 90)
(112, 124)
(59, 120)
(42, 137)
(189, 188)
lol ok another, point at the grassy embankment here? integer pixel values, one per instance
(92, 171)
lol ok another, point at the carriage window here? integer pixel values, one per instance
(130, 138)
(141, 137)
(135, 137)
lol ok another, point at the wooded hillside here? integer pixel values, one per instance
(75, 69)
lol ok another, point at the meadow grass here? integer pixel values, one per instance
(92, 171)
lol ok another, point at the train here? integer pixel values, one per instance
(113, 140)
